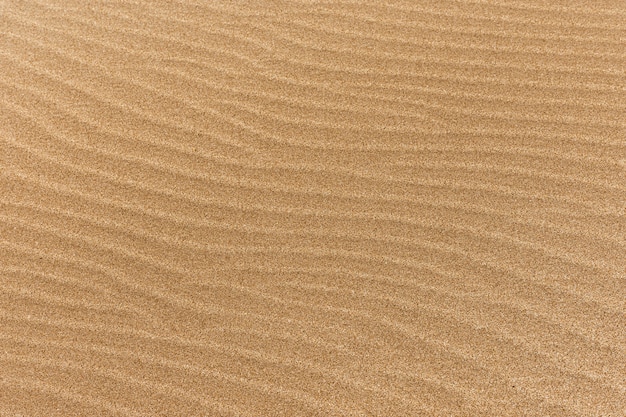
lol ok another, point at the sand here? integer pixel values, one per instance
(312, 208)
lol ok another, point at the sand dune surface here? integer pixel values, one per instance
(312, 208)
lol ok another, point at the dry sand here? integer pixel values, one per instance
(312, 208)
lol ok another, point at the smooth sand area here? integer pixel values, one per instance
(388, 208)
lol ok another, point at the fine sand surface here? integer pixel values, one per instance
(312, 208)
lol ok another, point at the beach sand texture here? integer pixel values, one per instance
(312, 208)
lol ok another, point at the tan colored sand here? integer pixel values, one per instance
(312, 208)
